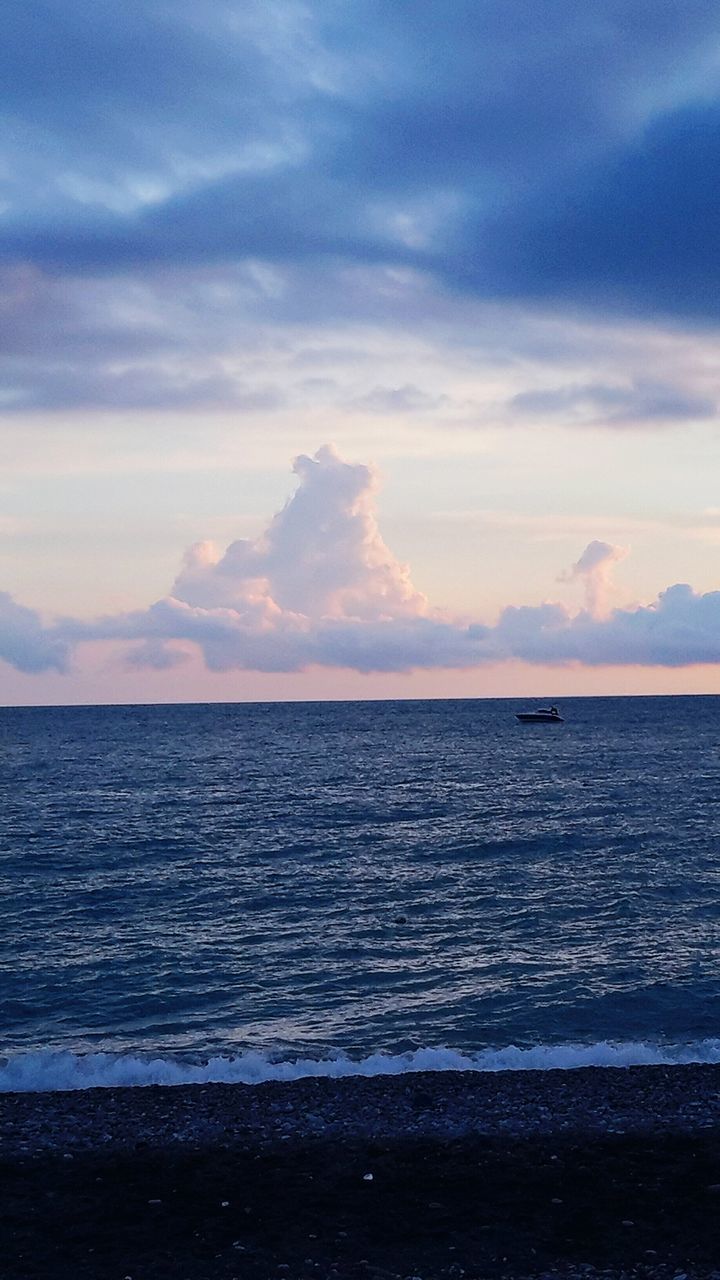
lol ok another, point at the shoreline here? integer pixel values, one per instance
(522, 1173)
(439, 1104)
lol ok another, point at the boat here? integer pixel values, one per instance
(542, 715)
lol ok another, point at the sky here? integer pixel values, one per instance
(359, 350)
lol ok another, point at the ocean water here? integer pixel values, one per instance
(248, 891)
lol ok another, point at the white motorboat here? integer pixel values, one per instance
(542, 715)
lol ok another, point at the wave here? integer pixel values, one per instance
(62, 1071)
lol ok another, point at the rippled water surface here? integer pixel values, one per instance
(302, 878)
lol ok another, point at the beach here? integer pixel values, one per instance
(612, 1171)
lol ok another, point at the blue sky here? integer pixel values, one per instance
(474, 245)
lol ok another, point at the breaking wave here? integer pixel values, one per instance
(41, 1072)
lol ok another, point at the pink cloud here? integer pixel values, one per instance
(594, 569)
(320, 588)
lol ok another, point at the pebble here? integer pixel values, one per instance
(642, 1100)
(678, 1097)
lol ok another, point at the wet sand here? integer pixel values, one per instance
(460, 1176)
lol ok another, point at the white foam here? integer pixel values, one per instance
(39, 1072)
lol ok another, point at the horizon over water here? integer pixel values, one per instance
(246, 891)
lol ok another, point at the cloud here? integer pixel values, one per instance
(405, 399)
(678, 629)
(184, 176)
(115, 108)
(371, 341)
(156, 656)
(167, 384)
(645, 401)
(321, 557)
(321, 588)
(636, 233)
(550, 152)
(594, 569)
(25, 642)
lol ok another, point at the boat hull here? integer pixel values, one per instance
(537, 717)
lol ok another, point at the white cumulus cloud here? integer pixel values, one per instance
(321, 557)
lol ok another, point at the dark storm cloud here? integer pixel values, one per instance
(102, 89)
(640, 231)
(555, 152)
(472, 92)
(284, 216)
(484, 100)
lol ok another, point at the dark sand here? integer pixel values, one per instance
(612, 1171)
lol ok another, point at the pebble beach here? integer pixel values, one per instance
(449, 1175)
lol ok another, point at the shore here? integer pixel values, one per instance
(443, 1176)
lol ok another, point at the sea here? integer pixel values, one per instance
(246, 892)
